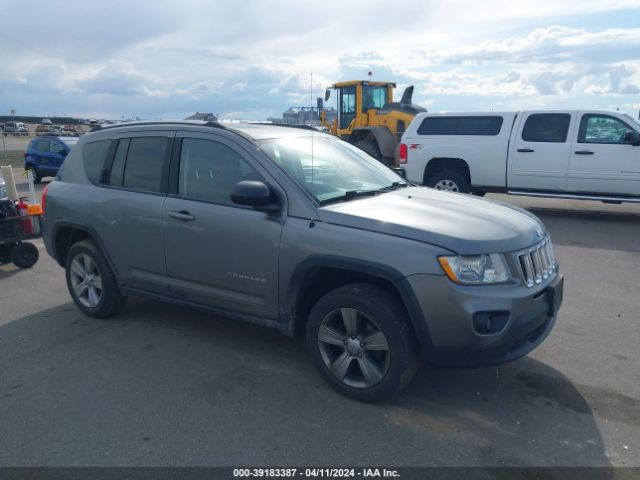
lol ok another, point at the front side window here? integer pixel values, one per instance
(546, 127)
(143, 167)
(209, 170)
(596, 128)
(329, 168)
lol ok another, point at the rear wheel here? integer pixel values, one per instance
(25, 255)
(91, 282)
(449, 181)
(361, 343)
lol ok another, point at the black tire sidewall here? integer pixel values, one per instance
(111, 299)
(389, 316)
(25, 255)
(459, 180)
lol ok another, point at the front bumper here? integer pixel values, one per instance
(450, 338)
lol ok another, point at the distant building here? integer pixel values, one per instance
(207, 117)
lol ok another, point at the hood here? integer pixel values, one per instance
(461, 223)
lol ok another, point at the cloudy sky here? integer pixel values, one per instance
(251, 59)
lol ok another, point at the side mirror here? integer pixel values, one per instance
(254, 194)
(327, 94)
(632, 137)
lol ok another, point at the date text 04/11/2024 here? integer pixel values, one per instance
(315, 473)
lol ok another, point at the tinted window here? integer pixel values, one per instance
(94, 155)
(143, 168)
(42, 145)
(117, 168)
(489, 125)
(57, 147)
(602, 129)
(209, 170)
(546, 127)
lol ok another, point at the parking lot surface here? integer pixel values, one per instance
(165, 385)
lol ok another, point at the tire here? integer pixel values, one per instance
(449, 181)
(25, 255)
(370, 147)
(100, 297)
(37, 178)
(337, 331)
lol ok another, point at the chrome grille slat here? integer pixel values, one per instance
(537, 263)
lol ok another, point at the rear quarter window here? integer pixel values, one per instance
(489, 125)
(94, 156)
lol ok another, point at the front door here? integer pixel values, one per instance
(218, 253)
(540, 152)
(601, 160)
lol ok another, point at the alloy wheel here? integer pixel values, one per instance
(86, 280)
(353, 348)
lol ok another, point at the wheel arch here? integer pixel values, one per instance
(441, 164)
(319, 275)
(382, 135)
(66, 234)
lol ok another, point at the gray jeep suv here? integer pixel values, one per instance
(301, 231)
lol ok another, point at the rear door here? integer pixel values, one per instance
(58, 151)
(601, 161)
(128, 211)
(539, 155)
(218, 253)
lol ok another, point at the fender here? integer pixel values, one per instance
(386, 140)
(86, 229)
(288, 305)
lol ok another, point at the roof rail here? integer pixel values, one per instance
(159, 122)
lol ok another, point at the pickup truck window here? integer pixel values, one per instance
(546, 127)
(599, 128)
(473, 125)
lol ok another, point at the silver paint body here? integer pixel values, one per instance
(244, 261)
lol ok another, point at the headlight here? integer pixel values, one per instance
(475, 269)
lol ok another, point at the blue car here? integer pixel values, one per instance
(44, 155)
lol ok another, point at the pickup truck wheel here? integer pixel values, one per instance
(360, 341)
(91, 282)
(450, 182)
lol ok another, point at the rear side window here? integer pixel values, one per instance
(94, 155)
(42, 145)
(475, 125)
(143, 167)
(546, 127)
(117, 169)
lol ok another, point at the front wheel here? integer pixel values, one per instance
(91, 282)
(360, 341)
(449, 181)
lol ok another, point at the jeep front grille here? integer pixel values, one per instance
(537, 263)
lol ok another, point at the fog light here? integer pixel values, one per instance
(490, 323)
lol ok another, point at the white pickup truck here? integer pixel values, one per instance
(587, 154)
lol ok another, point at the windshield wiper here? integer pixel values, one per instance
(393, 186)
(351, 194)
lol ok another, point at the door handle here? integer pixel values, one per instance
(583, 152)
(526, 150)
(181, 215)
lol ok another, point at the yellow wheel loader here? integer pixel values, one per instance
(369, 118)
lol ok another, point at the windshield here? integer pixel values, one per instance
(339, 171)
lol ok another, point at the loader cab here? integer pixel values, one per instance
(355, 99)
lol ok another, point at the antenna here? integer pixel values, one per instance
(311, 100)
